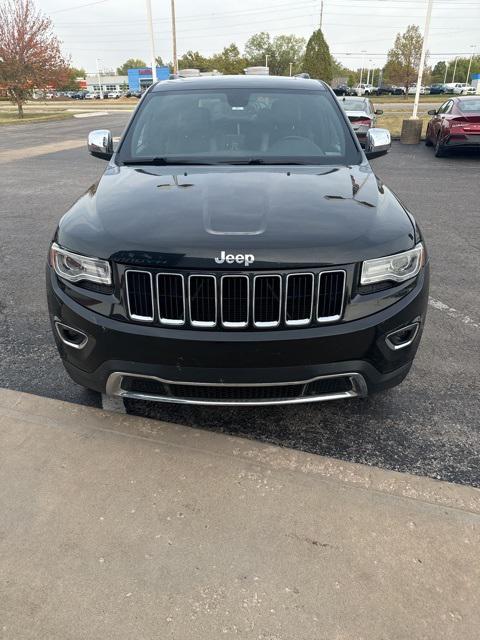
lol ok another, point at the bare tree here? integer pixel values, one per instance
(30, 56)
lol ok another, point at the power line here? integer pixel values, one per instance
(79, 6)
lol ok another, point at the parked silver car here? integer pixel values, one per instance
(362, 115)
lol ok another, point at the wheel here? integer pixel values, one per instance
(439, 148)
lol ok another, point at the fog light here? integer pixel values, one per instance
(70, 336)
(401, 338)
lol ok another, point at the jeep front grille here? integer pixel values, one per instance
(235, 301)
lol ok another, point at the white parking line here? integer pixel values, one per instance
(113, 403)
(453, 313)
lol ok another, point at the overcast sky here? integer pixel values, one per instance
(114, 30)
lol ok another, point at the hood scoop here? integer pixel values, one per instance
(235, 211)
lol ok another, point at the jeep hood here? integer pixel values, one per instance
(183, 217)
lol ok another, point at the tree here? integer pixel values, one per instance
(257, 47)
(277, 53)
(317, 60)
(131, 63)
(30, 55)
(403, 59)
(195, 60)
(71, 80)
(285, 50)
(229, 61)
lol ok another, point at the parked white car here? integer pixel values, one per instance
(91, 96)
(365, 89)
(463, 89)
(413, 90)
(114, 94)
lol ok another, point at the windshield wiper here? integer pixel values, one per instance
(162, 161)
(265, 161)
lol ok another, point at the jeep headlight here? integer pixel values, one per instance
(398, 267)
(74, 267)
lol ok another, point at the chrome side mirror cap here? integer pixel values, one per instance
(378, 142)
(100, 143)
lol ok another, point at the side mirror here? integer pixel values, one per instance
(378, 142)
(100, 143)
(432, 112)
(379, 112)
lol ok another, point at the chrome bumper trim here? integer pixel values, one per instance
(114, 388)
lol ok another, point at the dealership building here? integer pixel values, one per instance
(140, 79)
(109, 82)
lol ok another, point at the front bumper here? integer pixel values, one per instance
(356, 350)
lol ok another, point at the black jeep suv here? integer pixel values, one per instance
(238, 249)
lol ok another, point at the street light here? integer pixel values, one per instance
(152, 40)
(470, 63)
(98, 78)
(454, 69)
(363, 64)
(446, 70)
(422, 59)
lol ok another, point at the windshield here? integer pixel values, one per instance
(469, 106)
(236, 126)
(354, 105)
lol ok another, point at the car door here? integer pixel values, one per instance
(435, 122)
(445, 119)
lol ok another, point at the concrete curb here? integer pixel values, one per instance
(28, 408)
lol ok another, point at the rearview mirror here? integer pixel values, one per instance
(432, 112)
(100, 143)
(378, 142)
(379, 112)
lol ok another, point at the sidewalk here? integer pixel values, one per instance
(122, 528)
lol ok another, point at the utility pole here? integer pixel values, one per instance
(152, 40)
(454, 69)
(174, 38)
(363, 64)
(445, 77)
(99, 78)
(321, 14)
(422, 58)
(470, 63)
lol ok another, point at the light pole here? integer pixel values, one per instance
(174, 38)
(454, 69)
(266, 61)
(152, 40)
(363, 64)
(321, 14)
(422, 59)
(445, 77)
(470, 63)
(291, 65)
(98, 78)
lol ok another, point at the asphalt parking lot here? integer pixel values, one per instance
(430, 425)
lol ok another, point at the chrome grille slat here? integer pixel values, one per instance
(299, 298)
(139, 289)
(202, 299)
(171, 298)
(331, 294)
(235, 300)
(267, 300)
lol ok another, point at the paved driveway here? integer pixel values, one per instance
(429, 425)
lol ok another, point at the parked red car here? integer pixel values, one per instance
(455, 125)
